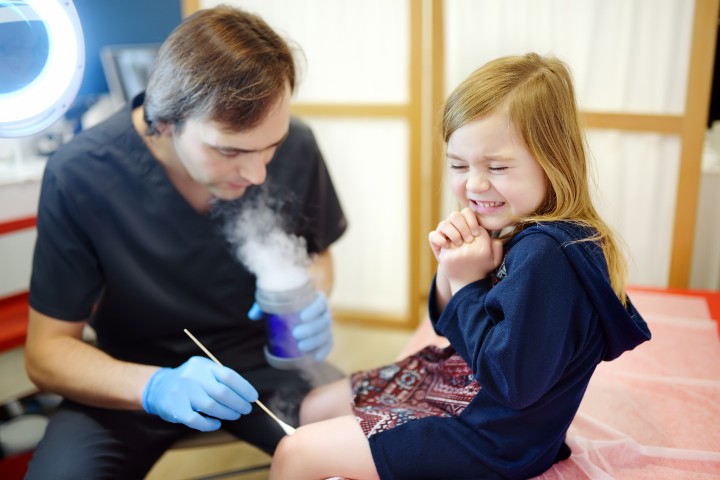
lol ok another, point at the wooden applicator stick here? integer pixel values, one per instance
(286, 428)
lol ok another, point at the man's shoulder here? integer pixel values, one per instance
(95, 142)
(96, 160)
(298, 150)
(300, 134)
(298, 126)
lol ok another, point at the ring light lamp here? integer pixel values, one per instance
(42, 55)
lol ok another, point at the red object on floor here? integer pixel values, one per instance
(14, 467)
(14, 309)
(13, 321)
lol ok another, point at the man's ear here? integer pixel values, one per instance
(163, 128)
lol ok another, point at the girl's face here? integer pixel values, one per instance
(493, 172)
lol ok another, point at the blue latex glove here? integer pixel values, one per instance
(197, 394)
(314, 334)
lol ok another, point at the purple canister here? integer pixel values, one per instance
(281, 310)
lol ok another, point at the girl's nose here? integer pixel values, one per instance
(478, 183)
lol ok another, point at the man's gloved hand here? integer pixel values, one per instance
(197, 394)
(314, 334)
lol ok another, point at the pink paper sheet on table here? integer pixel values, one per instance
(654, 413)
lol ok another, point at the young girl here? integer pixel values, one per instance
(529, 291)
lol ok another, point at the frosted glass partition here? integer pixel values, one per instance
(612, 46)
(355, 51)
(368, 163)
(636, 184)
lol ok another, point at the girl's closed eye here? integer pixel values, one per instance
(455, 163)
(457, 166)
(497, 169)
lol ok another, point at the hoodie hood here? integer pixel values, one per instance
(623, 327)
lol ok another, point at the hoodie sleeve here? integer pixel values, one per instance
(519, 336)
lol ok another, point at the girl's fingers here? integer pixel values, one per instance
(462, 222)
(448, 230)
(472, 222)
(459, 228)
(437, 242)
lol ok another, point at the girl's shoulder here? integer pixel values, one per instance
(562, 232)
(545, 243)
(549, 241)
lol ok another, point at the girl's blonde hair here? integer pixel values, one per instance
(538, 94)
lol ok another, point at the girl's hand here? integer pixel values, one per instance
(458, 228)
(471, 261)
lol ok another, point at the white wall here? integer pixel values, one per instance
(17, 200)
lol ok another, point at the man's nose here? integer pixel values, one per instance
(254, 170)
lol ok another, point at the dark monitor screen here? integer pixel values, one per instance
(127, 69)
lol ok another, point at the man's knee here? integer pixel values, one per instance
(82, 442)
(58, 461)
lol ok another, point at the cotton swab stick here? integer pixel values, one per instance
(286, 428)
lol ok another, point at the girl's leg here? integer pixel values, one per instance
(331, 448)
(329, 401)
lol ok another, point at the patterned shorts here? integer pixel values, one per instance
(433, 382)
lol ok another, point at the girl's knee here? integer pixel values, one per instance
(329, 401)
(287, 455)
(336, 447)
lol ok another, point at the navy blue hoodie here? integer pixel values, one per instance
(533, 341)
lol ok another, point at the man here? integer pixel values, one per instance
(128, 242)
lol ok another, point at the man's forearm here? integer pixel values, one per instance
(78, 371)
(321, 271)
(83, 373)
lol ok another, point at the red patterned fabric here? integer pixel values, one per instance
(433, 382)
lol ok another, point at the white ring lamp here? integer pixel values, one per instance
(36, 105)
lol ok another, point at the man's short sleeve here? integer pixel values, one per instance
(65, 270)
